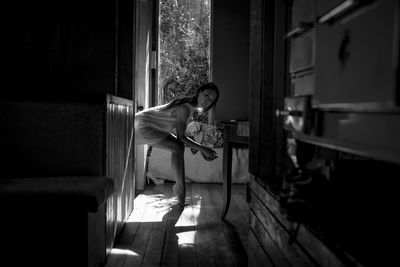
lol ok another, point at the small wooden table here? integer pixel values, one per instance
(231, 139)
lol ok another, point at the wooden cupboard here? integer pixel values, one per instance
(324, 135)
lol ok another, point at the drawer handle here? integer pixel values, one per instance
(287, 112)
(302, 28)
(342, 9)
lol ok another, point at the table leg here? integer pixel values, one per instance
(227, 173)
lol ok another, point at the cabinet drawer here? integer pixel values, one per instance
(302, 52)
(303, 83)
(301, 35)
(356, 59)
(303, 11)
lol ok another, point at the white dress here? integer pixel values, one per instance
(154, 124)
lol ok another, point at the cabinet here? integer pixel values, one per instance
(351, 76)
(341, 122)
(348, 72)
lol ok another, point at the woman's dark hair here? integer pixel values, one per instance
(192, 100)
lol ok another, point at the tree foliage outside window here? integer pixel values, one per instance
(184, 36)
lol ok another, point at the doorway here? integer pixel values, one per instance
(183, 48)
(173, 57)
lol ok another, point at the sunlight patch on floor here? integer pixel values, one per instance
(150, 208)
(186, 239)
(190, 213)
(188, 218)
(127, 252)
(154, 208)
(197, 204)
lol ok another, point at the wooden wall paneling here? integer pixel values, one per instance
(267, 243)
(111, 203)
(320, 252)
(129, 172)
(282, 237)
(119, 162)
(269, 201)
(256, 254)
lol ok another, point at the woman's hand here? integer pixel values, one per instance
(209, 154)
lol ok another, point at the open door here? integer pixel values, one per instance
(146, 40)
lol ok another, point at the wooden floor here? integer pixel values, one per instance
(159, 233)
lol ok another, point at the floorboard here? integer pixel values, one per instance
(161, 233)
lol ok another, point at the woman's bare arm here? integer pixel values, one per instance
(182, 115)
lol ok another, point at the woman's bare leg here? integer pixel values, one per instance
(177, 149)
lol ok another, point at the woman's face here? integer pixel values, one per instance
(206, 98)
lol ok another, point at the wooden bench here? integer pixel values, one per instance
(54, 221)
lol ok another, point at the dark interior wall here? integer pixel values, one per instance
(125, 50)
(230, 57)
(52, 139)
(68, 47)
(63, 58)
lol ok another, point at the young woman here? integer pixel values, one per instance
(164, 126)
